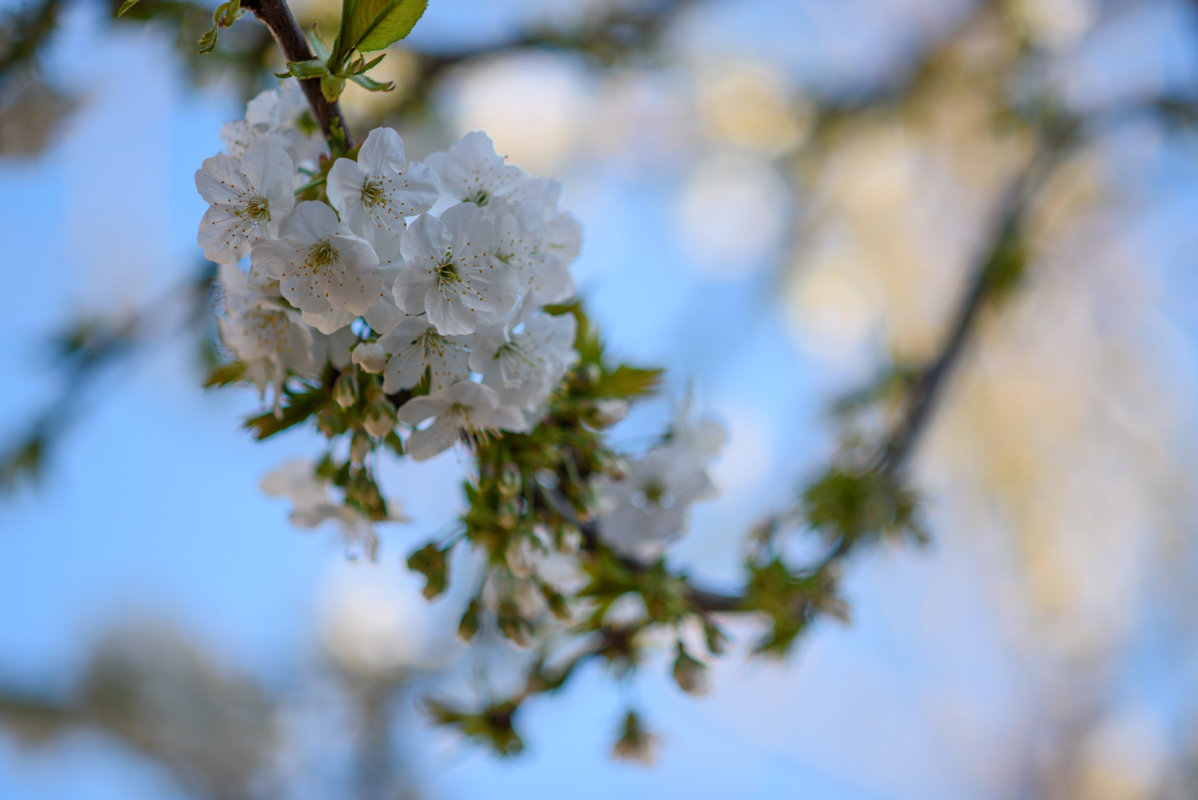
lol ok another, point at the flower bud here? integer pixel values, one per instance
(380, 420)
(359, 448)
(470, 621)
(370, 357)
(689, 673)
(635, 743)
(345, 390)
(610, 411)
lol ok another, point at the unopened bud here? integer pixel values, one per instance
(359, 448)
(610, 411)
(345, 391)
(380, 420)
(469, 624)
(689, 673)
(370, 357)
(635, 743)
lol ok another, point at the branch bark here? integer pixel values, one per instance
(277, 17)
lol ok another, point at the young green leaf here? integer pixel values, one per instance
(377, 24)
(125, 6)
(223, 17)
(372, 85)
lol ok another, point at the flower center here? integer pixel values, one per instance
(322, 254)
(479, 197)
(447, 270)
(372, 193)
(257, 209)
(653, 494)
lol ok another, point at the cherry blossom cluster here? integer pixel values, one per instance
(413, 295)
(441, 267)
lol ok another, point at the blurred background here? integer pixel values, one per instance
(783, 201)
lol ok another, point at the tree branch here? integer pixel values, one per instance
(277, 17)
(930, 382)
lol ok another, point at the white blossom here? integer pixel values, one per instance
(538, 249)
(450, 271)
(646, 509)
(321, 266)
(375, 193)
(281, 116)
(524, 366)
(471, 172)
(313, 505)
(265, 334)
(467, 408)
(247, 197)
(414, 346)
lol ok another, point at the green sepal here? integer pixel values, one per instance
(331, 87)
(225, 374)
(313, 68)
(319, 48)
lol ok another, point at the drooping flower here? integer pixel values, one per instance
(248, 199)
(313, 505)
(378, 191)
(450, 271)
(320, 265)
(647, 508)
(414, 346)
(466, 409)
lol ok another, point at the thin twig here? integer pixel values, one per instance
(277, 17)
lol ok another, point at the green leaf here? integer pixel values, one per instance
(372, 85)
(628, 381)
(430, 561)
(298, 409)
(207, 42)
(225, 374)
(223, 17)
(368, 25)
(125, 6)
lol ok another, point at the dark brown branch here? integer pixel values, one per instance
(277, 17)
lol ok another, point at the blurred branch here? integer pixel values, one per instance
(24, 32)
(616, 34)
(84, 352)
(928, 384)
